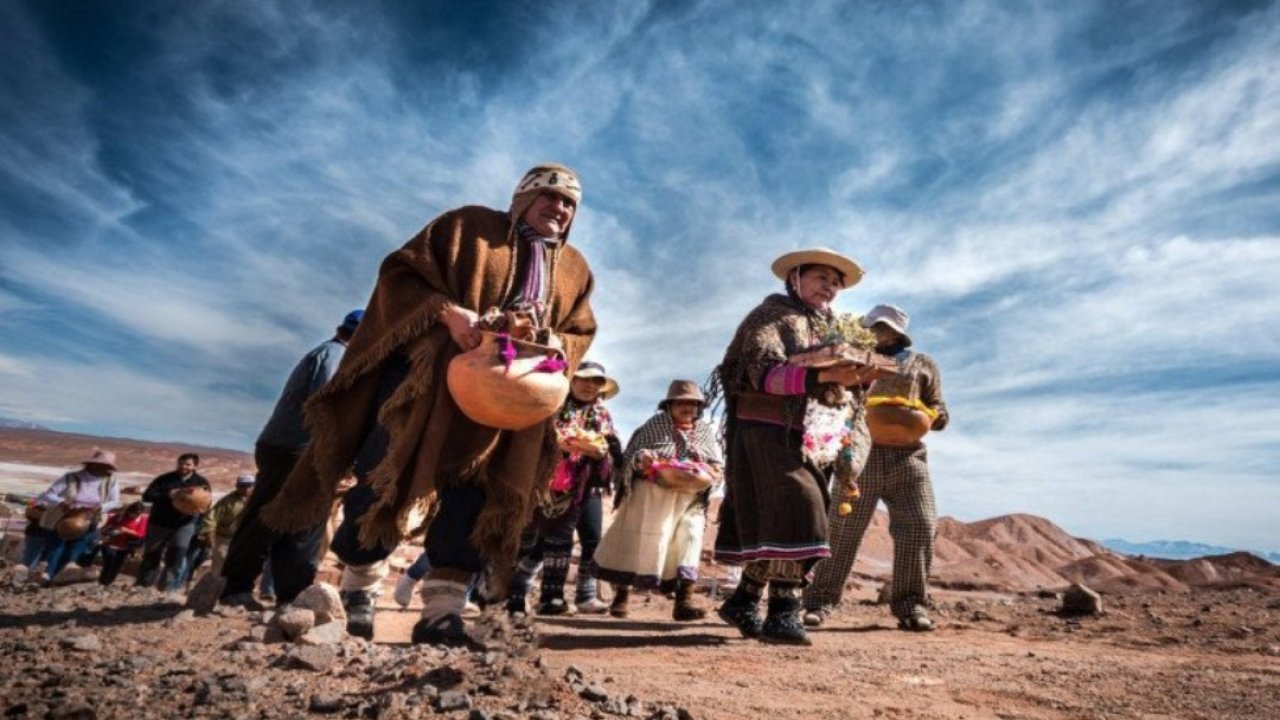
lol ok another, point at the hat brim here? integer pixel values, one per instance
(851, 271)
(906, 339)
(610, 388)
(100, 462)
(665, 403)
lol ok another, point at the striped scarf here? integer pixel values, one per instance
(532, 291)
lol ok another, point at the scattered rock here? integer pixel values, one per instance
(330, 633)
(74, 711)
(204, 595)
(84, 642)
(319, 658)
(293, 623)
(453, 700)
(273, 634)
(594, 693)
(325, 704)
(323, 600)
(1080, 600)
(182, 617)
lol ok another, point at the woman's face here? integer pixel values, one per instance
(817, 286)
(684, 412)
(586, 389)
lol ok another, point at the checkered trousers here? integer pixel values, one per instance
(899, 477)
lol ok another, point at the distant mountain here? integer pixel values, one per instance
(20, 424)
(135, 457)
(1021, 552)
(1178, 549)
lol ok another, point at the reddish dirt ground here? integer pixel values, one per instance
(994, 656)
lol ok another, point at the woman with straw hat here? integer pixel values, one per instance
(668, 469)
(588, 447)
(787, 423)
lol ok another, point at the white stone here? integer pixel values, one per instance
(322, 599)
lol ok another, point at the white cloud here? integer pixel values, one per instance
(1035, 226)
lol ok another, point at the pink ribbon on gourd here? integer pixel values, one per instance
(551, 364)
(508, 353)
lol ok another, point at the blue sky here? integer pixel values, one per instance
(1077, 203)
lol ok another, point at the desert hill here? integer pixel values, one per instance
(1026, 553)
(138, 460)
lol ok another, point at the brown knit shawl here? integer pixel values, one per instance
(466, 257)
(775, 330)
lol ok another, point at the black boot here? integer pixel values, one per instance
(783, 624)
(359, 607)
(742, 610)
(449, 631)
(555, 569)
(517, 605)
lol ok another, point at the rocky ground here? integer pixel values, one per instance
(82, 651)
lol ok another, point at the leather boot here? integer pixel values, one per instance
(621, 595)
(685, 608)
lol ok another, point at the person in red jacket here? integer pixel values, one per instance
(121, 536)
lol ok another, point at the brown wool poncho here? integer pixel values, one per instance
(466, 257)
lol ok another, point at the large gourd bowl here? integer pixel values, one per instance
(507, 397)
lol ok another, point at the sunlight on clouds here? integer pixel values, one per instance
(159, 305)
(1046, 203)
(14, 367)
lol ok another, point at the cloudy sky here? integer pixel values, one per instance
(1077, 203)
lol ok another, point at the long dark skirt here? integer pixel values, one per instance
(775, 505)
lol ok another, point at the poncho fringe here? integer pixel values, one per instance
(463, 257)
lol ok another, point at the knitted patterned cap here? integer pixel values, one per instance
(550, 176)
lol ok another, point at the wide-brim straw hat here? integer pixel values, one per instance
(102, 457)
(589, 369)
(683, 390)
(846, 266)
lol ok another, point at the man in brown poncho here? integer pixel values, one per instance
(388, 412)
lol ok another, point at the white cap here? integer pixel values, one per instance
(891, 315)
